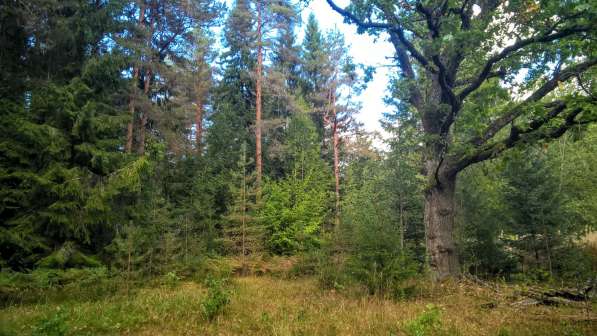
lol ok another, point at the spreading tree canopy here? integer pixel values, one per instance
(482, 77)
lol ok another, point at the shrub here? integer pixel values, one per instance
(85, 283)
(218, 297)
(171, 279)
(427, 323)
(384, 273)
(54, 325)
(332, 274)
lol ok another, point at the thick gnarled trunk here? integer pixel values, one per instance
(439, 228)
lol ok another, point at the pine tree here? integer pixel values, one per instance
(295, 208)
(243, 235)
(233, 113)
(314, 60)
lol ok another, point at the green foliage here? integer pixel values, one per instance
(385, 274)
(295, 208)
(373, 232)
(522, 215)
(483, 217)
(217, 298)
(54, 325)
(426, 324)
(242, 234)
(82, 216)
(45, 284)
(68, 256)
(171, 279)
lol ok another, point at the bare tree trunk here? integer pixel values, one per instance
(199, 127)
(143, 119)
(130, 127)
(439, 227)
(259, 70)
(146, 84)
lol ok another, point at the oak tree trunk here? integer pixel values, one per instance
(439, 229)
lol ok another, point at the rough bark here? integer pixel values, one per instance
(439, 227)
(258, 70)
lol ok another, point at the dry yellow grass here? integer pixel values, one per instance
(269, 306)
(272, 306)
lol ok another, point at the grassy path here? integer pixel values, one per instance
(270, 306)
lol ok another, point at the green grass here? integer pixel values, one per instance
(274, 306)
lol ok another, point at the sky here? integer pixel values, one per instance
(364, 50)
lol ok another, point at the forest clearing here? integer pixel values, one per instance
(283, 303)
(298, 167)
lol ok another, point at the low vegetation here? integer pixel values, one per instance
(284, 304)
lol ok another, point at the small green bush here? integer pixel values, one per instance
(54, 325)
(208, 268)
(218, 297)
(384, 273)
(42, 284)
(332, 277)
(307, 264)
(427, 323)
(171, 279)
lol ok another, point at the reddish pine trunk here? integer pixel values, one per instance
(199, 126)
(258, 162)
(439, 228)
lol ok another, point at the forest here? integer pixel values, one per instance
(200, 167)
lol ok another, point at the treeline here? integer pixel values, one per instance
(144, 136)
(130, 131)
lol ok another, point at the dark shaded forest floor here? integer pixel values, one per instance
(274, 306)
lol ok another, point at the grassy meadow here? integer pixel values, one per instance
(281, 305)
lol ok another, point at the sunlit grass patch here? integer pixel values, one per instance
(276, 306)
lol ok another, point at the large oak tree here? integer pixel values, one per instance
(449, 52)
